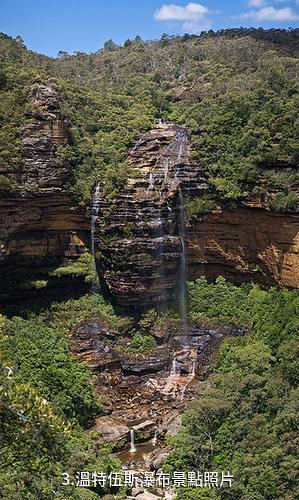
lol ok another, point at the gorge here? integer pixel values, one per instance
(144, 249)
(139, 231)
(149, 267)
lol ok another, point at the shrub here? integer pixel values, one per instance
(7, 186)
(282, 202)
(142, 344)
(198, 206)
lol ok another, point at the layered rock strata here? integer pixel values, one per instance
(40, 225)
(138, 235)
(248, 243)
(145, 393)
(140, 239)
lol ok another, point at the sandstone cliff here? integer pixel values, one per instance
(141, 236)
(39, 224)
(141, 242)
(246, 244)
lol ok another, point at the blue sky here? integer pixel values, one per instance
(84, 25)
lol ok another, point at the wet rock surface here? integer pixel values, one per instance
(141, 245)
(146, 394)
(140, 265)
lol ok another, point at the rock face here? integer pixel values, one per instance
(40, 225)
(246, 243)
(141, 238)
(145, 394)
(41, 166)
(111, 430)
(141, 242)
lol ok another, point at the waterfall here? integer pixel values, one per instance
(171, 379)
(165, 171)
(191, 376)
(134, 149)
(182, 271)
(94, 216)
(181, 138)
(132, 441)
(173, 367)
(151, 182)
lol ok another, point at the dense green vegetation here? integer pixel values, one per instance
(45, 398)
(84, 266)
(235, 91)
(246, 420)
(141, 344)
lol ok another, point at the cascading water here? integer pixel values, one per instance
(132, 152)
(94, 217)
(176, 150)
(132, 441)
(151, 182)
(182, 271)
(173, 367)
(165, 171)
(191, 376)
(171, 379)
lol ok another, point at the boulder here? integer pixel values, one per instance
(111, 430)
(142, 365)
(171, 424)
(159, 457)
(146, 495)
(145, 430)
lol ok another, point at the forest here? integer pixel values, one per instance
(235, 92)
(236, 88)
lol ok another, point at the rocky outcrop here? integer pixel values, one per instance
(40, 226)
(142, 389)
(140, 236)
(42, 167)
(248, 243)
(144, 395)
(142, 240)
(141, 245)
(111, 430)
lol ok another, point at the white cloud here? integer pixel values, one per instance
(172, 12)
(193, 16)
(256, 3)
(271, 14)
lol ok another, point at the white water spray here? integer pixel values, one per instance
(191, 376)
(171, 379)
(165, 170)
(151, 182)
(94, 217)
(182, 276)
(132, 441)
